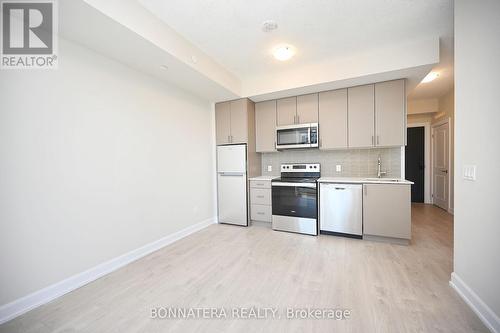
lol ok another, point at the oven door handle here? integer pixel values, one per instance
(308, 185)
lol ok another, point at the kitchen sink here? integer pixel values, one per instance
(395, 180)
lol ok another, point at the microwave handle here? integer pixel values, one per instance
(309, 134)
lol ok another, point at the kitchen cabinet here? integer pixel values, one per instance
(333, 119)
(377, 115)
(286, 111)
(307, 109)
(297, 110)
(387, 211)
(233, 121)
(265, 126)
(223, 123)
(390, 115)
(361, 119)
(239, 121)
(260, 200)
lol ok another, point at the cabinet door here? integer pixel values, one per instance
(286, 110)
(361, 116)
(386, 210)
(265, 126)
(390, 113)
(307, 109)
(222, 122)
(239, 121)
(333, 119)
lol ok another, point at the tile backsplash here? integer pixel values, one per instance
(354, 162)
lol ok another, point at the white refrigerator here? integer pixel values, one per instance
(232, 184)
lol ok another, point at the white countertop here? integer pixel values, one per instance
(267, 178)
(363, 180)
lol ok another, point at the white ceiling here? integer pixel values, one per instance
(230, 31)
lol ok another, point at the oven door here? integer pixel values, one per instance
(295, 199)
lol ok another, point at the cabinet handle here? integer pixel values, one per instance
(373, 140)
(298, 119)
(260, 196)
(365, 190)
(378, 140)
(228, 138)
(260, 213)
(259, 184)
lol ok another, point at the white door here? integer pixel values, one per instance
(441, 175)
(231, 158)
(232, 198)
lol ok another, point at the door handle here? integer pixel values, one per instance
(445, 171)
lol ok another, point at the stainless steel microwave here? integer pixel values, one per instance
(297, 136)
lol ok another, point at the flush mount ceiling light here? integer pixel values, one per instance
(430, 77)
(269, 25)
(283, 52)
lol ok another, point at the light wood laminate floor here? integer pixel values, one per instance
(388, 288)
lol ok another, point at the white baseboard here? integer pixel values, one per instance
(451, 211)
(487, 316)
(22, 305)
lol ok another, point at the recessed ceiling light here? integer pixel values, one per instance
(164, 67)
(269, 25)
(430, 77)
(283, 52)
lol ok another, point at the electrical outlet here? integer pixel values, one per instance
(338, 168)
(469, 172)
(269, 168)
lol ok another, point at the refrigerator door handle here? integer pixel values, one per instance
(232, 174)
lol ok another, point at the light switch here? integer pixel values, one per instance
(469, 172)
(269, 168)
(338, 168)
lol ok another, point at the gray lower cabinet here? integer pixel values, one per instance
(260, 200)
(387, 211)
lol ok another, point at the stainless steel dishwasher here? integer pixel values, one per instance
(341, 209)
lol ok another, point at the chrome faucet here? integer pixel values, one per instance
(380, 173)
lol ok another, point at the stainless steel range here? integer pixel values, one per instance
(294, 198)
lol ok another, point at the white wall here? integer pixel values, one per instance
(477, 139)
(95, 160)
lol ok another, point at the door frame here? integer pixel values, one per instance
(427, 159)
(447, 121)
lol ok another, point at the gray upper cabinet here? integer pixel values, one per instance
(231, 121)
(239, 121)
(286, 111)
(307, 109)
(390, 113)
(223, 122)
(265, 126)
(333, 119)
(361, 116)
